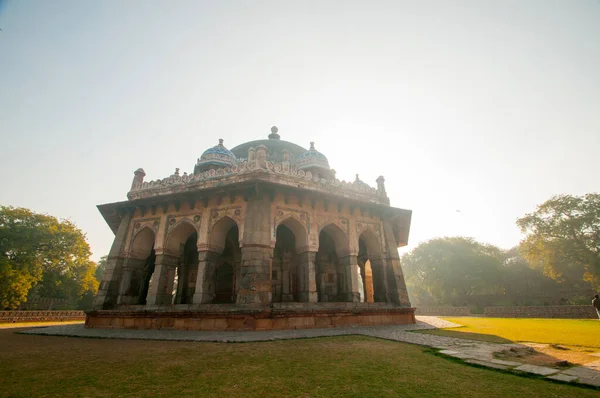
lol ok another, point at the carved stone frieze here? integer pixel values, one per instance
(285, 169)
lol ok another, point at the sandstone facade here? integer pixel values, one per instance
(263, 224)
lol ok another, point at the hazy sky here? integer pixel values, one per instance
(487, 107)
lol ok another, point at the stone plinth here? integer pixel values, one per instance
(232, 318)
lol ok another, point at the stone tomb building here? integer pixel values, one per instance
(263, 236)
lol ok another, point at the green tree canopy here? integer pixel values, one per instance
(39, 249)
(563, 237)
(451, 269)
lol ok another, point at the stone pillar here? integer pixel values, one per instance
(349, 283)
(255, 283)
(205, 287)
(261, 157)
(381, 186)
(130, 281)
(396, 286)
(255, 286)
(138, 178)
(160, 291)
(251, 157)
(380, 286)
(285, 163)
(109, 285)
(307, 277)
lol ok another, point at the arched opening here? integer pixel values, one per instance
(146, 275)
(284, 270)
(227, 265)
(182, 240)
(185, 277)
(371, 268)
(365, 274)
(331, 278)
(139, 268)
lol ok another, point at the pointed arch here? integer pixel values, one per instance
(370, 256)
(340, 238)
(298, 229)
(218, 234)
(142, 243)
(179, 235)
(371, 242)
(224, 277)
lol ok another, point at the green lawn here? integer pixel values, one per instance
(572, 332)
(349, 366)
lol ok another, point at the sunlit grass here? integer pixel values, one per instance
(573, 332)
(36, 324)
(342, 366)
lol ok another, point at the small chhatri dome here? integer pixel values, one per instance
(274, 135)
(360, 182)
(217, 156)
(312, 158)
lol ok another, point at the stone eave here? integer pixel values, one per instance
(401, 220)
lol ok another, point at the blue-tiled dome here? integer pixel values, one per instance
(217, 156)
(361, 183)
(312, 158)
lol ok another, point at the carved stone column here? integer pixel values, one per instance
(109, 285)
(349, 284)
(255, 283)
(378, 267)
(255, 286)
(261, 157)
(205, 287)
(307, 277)
(397, 292)
(129, 289)
(161, 285)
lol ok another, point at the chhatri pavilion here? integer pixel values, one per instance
(262, 236)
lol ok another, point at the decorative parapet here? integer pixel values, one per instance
(223, 176)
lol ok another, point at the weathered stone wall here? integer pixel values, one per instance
(40, 316)
(284, 316)
(443, 311)
(553, 311)
(161, 228)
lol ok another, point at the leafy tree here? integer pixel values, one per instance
(563, 238)
(100, 267)
(39, 249)
(449, 270)
(87, 300)
(523, 284)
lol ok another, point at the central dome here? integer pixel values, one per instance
(275, 148)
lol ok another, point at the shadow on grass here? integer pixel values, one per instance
(435, 352)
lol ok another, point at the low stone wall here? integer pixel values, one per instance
(443, 311)
(552, 311)
(238, 319)
(40, 316)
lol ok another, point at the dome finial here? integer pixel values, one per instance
(274, 135)
(312, 145)
(220, 141)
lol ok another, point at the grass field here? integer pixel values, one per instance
(573, 332)
(341, 366)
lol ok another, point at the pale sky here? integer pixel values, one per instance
(487, 107)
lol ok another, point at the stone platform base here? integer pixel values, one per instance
(232, 318)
